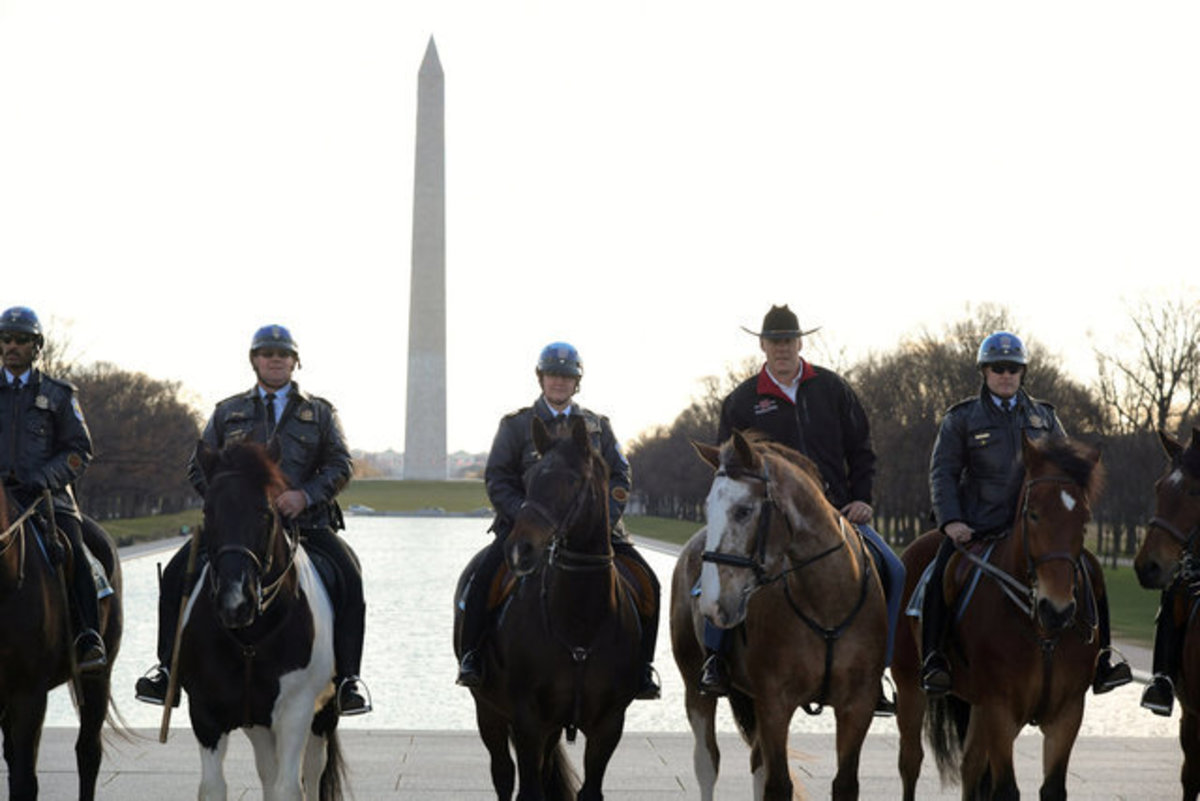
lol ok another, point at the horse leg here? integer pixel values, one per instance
(853, 721)
(88, 750)
(987, 767)
(22, 725)
(493, 730)
(315, 757)
(706, 755)
(212, 770)
(910, 714)
(531, 754)
(1058, 738)
(265, 765)
(290, 736)
(771, 740)
(601, 743)
(1189, 739)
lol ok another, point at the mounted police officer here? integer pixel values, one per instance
(811, 410)
(559, 370)
(314, 457)
(45, 445)
(975, 481)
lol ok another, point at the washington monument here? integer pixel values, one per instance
(425, 416)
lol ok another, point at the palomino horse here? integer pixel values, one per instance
(1023, 650)
(36, 649)
(256, 648)
(565, 650)
(779, 561)
(1168, 559)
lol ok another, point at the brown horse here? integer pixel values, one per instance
(36, 648)
(565, 651)
(1168, 560)
(1023, 650)
(778, 561)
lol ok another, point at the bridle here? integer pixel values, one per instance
(1187, 540)
(558, 554)
(757, 562)
(262, 566)
(1024, 593)
(15, 535)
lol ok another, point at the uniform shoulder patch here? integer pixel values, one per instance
(620, 494)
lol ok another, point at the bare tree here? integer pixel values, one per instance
(1154, 386)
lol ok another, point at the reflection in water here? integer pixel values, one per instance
(411, 566)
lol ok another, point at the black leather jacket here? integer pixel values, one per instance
(826, 423)
(313, 452)
(44, 440)
(512, 455)
(975, 471)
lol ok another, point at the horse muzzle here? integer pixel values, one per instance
(1153, 574)
(236, 603)
(522, 556)
(1053, 616)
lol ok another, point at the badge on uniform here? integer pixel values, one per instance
(306, 415)
(42, 402)
(1036, 421)
(982, 435)
(74, 462)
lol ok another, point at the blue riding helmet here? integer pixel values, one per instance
(21, 320)
(1001, 347)
(560, 358)
(274, 336)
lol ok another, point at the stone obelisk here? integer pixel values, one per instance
(425, 418)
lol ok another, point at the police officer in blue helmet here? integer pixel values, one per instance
(316, 461)
(45, 445)
(559, 370)
(975, 489)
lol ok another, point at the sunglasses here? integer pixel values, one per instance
(1001, 369)
(19, 339)
(270, 353)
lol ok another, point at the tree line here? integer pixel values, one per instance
(907, 389)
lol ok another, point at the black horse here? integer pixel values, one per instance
(256, 648)
(564, 653)
(36, 648)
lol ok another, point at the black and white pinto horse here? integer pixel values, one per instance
(256, 649)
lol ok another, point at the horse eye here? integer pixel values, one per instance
(1033, 516)
(742, 513)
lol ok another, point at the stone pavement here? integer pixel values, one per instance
(439, 766)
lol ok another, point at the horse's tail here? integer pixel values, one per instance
(742, 707)
(946, 727)
(562, 782)
(334, 775)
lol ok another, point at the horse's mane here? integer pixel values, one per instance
(1074, 458)
(252, 460)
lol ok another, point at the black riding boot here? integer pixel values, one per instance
(648, 688)
(1159, 695)
(475, 616)
(1108, 676)
(935, 669)
(350, 614)
(152, 686)
(90, 654)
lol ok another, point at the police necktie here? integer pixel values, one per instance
(270, 401)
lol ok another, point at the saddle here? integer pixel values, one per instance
(58, 551)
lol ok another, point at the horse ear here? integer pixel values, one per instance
(579, 433)
(206, 457)
(541, 437)
(1171, 445)
(745, 451)
(709, 453)
(1030, 455)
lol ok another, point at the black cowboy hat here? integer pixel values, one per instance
(780, 323)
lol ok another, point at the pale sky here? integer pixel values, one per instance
(638, 178)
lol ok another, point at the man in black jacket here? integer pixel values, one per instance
(314, 457)
(975, 480)
(45, 445)
(814, 411)
(559, 370)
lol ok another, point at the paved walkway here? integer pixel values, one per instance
(440, 766)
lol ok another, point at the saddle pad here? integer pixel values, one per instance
(917, 601)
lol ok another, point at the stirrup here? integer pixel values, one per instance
(365, 695)
(1116, 675)
(651, 689)
(1159, 705)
